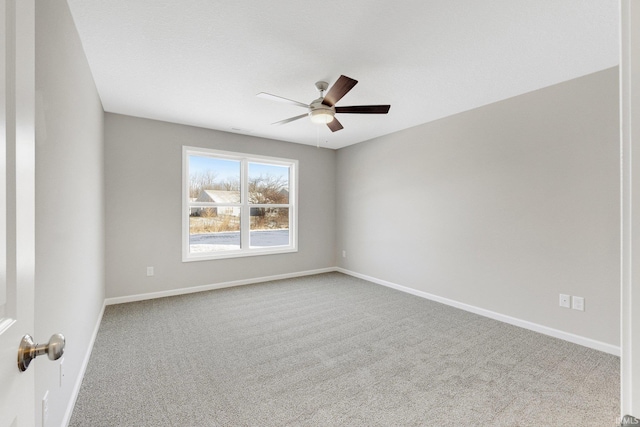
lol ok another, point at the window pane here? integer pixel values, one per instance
(213, 229)
(269, 227)
(237, 205)
(214, 180)
(268, 184)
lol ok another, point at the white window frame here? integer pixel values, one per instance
(245, 218)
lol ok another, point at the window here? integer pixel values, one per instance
(237, 205)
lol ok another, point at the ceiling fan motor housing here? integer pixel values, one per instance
(321, 113)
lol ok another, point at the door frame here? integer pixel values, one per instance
(630, 207)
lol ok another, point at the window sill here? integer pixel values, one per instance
(237, 254)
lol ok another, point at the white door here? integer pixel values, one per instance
(17, 176)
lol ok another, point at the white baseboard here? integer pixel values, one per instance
(76, 388)
(182, 291)
(567, 336)
(576, 339)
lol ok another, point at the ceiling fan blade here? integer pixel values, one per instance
(364, 109)
(290, 119)
(270, 97)
(335, 125)
(339, 89)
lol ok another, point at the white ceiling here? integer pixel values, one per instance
(202, 62)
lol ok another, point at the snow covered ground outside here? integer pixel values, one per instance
(210, 242)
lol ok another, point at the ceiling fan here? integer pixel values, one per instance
(323, 109)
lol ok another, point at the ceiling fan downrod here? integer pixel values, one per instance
(322, 86)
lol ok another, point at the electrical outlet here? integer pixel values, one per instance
(149, 271)
(565, 301)
(344, 254)
(45, 409)
(61, 371)
(577, 303)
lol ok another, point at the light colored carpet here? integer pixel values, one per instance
(333, 350)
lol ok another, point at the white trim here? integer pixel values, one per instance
(182, 291)
(567, 336)
(252, 251)
(76, 388)
(630, 203)
(576, 339)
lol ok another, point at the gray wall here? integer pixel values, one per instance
(502, 207)
(144, 196)
(69, 287)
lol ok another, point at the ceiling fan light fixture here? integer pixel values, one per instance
(321, 116)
